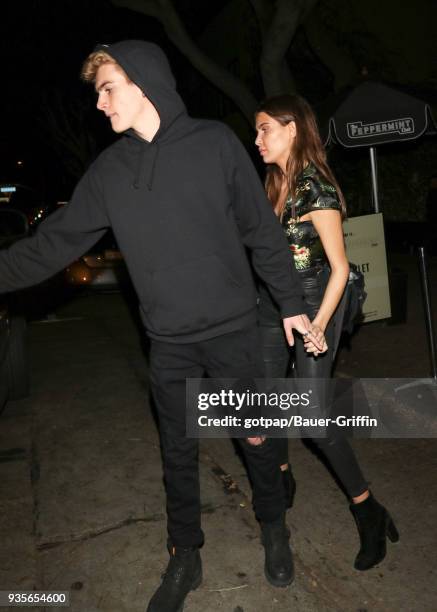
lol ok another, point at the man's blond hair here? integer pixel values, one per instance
(93, 63)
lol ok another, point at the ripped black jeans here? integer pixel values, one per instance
(233, 355)
(277, 358)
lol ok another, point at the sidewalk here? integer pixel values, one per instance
(82, 501)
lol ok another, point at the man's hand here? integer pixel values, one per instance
(313, 335)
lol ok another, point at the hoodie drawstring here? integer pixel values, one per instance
(148, 156)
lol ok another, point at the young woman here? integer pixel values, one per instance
(310, 206)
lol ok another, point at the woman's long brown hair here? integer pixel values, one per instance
(308, 147)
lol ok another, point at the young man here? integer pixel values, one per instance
(184, 201)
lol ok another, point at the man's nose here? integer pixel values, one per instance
(100, 102)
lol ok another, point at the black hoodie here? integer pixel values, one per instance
(183, 207)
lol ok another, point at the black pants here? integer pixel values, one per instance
(276, 356)
(234, 355)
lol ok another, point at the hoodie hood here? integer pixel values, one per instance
(147, 66)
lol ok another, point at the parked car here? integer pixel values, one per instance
(103, 268)
(14, 368)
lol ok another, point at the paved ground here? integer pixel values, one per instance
(82, 501)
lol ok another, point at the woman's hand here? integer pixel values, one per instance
(316, 336)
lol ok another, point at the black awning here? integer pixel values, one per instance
(374, 114)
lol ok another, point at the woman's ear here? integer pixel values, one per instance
(292, 127)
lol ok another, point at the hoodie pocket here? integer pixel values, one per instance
(196, 295)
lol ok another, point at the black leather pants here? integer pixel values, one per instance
(277, 358)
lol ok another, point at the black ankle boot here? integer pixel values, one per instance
(278, 566)
(374, 525)
(183, 574)
(289, 485)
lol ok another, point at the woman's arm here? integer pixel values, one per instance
(327, 224)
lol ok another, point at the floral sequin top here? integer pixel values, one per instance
(313, 192)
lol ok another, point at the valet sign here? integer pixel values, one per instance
(365, 247)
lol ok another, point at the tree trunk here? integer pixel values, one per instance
(276, 74)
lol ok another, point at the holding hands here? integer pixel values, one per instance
(314, 337)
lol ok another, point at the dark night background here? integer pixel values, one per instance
(50, 124)
(82, 505)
